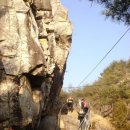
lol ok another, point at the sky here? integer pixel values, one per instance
(93, 36)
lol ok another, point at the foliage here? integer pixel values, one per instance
(63, 96)
(119, 115)
(116, 9)
(112, 91)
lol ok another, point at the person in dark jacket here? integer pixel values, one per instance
(70, 103)
(81, 115)
(84, 105)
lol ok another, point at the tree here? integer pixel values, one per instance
(118, 10)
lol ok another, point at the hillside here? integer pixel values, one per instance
(109, 96)
(71, 122)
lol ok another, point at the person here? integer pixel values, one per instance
(70, 103)
(84, 105)
(81, 115)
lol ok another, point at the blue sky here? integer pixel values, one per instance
(93, 36)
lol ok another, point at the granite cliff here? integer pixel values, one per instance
(35, 40)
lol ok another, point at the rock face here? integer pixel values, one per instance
(35, 40)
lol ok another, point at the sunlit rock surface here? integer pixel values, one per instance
(35, 40)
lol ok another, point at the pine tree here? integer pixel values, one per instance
(118, 10)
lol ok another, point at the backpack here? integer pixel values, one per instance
(85, 105)
(80, 114)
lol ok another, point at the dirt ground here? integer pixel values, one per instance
(71, 122)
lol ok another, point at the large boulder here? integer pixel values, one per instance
(35, 40)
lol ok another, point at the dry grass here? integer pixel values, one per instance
(70, 122)
(100, 123)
